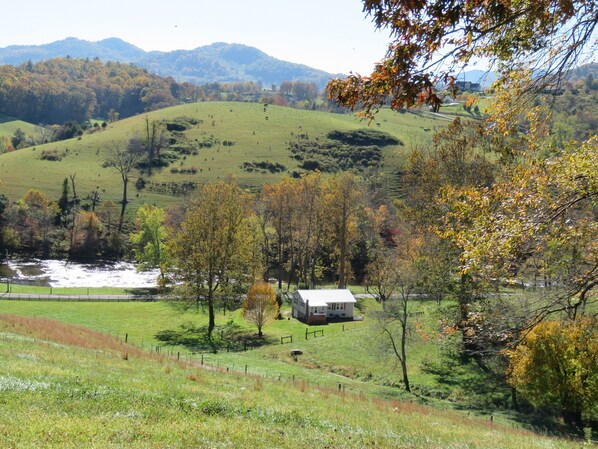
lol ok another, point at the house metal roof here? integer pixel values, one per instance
(321, 298)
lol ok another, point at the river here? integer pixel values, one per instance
(61, 273)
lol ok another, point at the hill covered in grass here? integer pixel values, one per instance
(8, 128)
(68, 386)
(248, 140)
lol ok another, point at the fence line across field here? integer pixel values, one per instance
(201, 360)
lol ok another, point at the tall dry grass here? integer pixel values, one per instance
(69, 334)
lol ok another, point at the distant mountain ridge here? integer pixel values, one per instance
(111, 49)
(218, 62)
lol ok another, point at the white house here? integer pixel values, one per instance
(318, 306)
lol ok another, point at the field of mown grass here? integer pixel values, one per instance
(353, 354)
(63, 386)
(260, 134)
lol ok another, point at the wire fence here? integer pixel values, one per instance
(210, 361)
(90, 297)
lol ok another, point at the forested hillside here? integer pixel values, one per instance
(63, 89)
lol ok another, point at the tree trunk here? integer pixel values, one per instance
(514, 402)
(210, 301)
(211, 316)
(75, 199)
(342, 282)
(124, 205)
(404, 368)
(464, 297)
(404, 346)
(572, 418)
(280, 267)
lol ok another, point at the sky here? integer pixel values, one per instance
(331, 35)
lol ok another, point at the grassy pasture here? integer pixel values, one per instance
(8, 128)
(58, 392)
(259, 133)
(354, 354)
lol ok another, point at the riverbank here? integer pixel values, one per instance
(52, 273)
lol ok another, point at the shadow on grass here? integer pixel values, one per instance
(472, 386)
(146, 294)
(228, 337)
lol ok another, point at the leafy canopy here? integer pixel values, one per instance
(558, 363)
(433, 40)
(260, 305)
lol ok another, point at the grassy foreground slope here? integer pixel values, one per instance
(63, 386)
(259, 133)
(355, 354)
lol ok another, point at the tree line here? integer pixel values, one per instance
(63, 89)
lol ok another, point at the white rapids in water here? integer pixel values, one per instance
(60, 273)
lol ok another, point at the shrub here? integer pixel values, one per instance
(51, 155)
(272, 167)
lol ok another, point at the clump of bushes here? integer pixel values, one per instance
(263, 166)
(364, 137)
(184, 171)
(51, 155)
(207, 141)
(172, 188)
(343, 150)
(331, 157)
(181, 124)
(186, 147)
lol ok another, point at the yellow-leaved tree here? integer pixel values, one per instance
(212, 251)
(557, 363)
(260, 305)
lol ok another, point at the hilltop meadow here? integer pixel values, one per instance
(256, 133)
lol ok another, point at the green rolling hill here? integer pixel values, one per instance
(8, 128)
(254, 133)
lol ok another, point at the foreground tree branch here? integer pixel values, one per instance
(432, 41)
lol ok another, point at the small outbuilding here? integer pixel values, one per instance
(320, 306)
